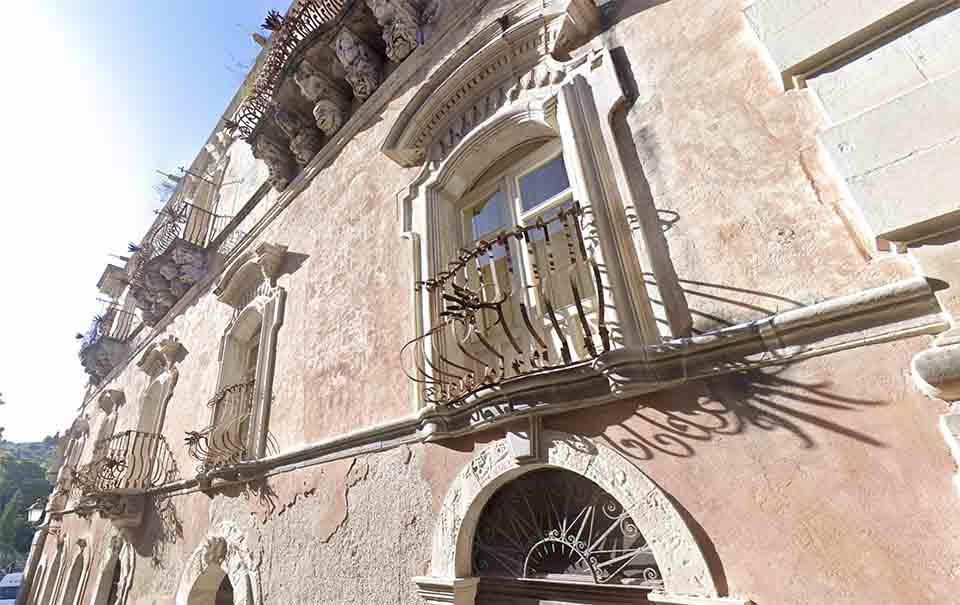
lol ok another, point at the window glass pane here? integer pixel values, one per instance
(543, 183)
(490, 216)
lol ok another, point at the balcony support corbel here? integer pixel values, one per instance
(400, 24)
(331, 97)
(362, 63)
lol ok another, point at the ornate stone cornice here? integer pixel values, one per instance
(261, 265)
(529, 48)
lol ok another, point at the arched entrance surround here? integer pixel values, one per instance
(222, 554)
(676, 550)
(116, 573)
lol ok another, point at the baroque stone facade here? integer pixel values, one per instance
(649, 258)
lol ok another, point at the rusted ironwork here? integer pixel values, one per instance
(303, 20)
(489, 332)
(224, 442)
(114, 323)
(129, 462)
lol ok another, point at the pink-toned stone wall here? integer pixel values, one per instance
(824, 482)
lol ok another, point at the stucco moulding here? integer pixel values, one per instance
(506, 54)
(262, 264)
(160, 356)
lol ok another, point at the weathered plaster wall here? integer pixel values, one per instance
(822, 482)
(335, 533)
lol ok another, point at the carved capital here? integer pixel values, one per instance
(363, 65)
(279, 161)
(398, 19)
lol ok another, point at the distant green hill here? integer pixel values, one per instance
(22, 481)
(40, 452)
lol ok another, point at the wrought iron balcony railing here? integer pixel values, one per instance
(528, 301)
(183, 221)
(224, 442)
(108, 341)
(127, 463)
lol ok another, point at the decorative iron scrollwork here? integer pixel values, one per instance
(489, 332)
(224, 442)
(555, 523)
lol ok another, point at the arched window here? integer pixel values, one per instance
(555, 525)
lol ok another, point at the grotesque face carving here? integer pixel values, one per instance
(362, 64)
(291, 123)
(329, 116)
(313, 84)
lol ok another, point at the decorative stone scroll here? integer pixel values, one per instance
(305, 141)
(161, 356)
(363, 65)
(239, 282)
(398, 18)
(330, 97)
(279, 160)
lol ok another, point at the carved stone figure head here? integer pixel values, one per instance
(290, 122)
(329, 116)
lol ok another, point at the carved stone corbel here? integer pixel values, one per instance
(160, 356)
(305, 141)
(279, 161)
(398, 19)
(330, 97)
(363, 65)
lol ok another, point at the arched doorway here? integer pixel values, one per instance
(37, 584)
(109, 586)
(220, 572)
(555, 535)
(213, 587)
(73, 581)
(591, 469)
(49, 586)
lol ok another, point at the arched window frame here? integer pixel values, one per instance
(160, 362)
(250, 287)
(521, 79)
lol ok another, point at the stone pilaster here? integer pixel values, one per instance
(363, 65)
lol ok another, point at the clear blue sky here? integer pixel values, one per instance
(98, 94)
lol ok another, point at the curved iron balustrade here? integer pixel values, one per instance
(301, 22)
(224, 442)
(115, 323)
(488, 333)
(132, 461)
(181, 220)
